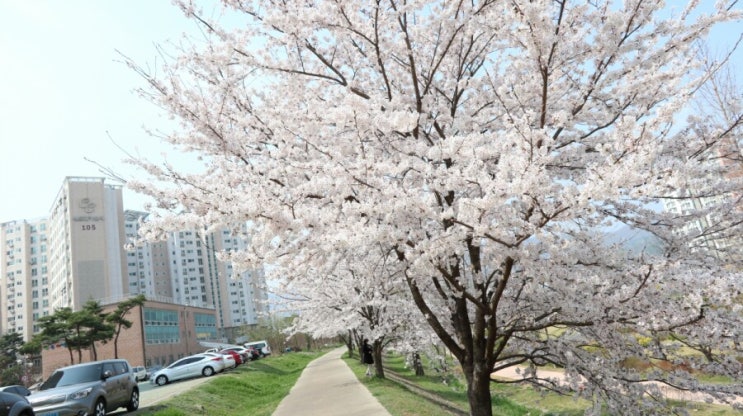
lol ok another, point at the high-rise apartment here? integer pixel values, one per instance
(147, 265)
(80, 252)
(87, 240)
(185, 270)
(239, 297)
(724, 245)
(24, 275)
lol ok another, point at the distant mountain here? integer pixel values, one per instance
(634, 240)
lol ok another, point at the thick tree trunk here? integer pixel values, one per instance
(359, 340)
(418, 365)
(377, 353)
(348, 340)
(478, 394)
(468, 343)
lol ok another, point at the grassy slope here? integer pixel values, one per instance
(508, 400)
(257, 389)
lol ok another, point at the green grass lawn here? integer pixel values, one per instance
(258, 386)
(257, 389)
(508, 400)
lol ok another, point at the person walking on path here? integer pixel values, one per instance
(367, 357)
(327, 387)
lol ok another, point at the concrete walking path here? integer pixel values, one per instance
(327, 387)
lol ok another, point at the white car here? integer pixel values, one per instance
(140, 373)
(244, 352)
(191, 366)
(229, 360)
(261, 346)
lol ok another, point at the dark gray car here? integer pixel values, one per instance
(90, 388)
(12, 404)
(17, 389)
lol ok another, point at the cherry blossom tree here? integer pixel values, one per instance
(356, 291)
(719, 108)
(486, 148)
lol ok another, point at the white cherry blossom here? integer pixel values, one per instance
(464, 163)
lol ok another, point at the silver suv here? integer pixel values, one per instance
(87, 389)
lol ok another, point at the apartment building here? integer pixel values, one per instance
(185, 270)
(148, 266)
(240, 296)
(724, 245)
(82, 251)
(24, 275)
(86, 240)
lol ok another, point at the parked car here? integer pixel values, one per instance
(12, 404)
(253, 353)
(152, 370)
(236, 357)
(245, 354)
(229, 361)
(205, 365)
(261, 346)
(225, 363)
(93, 388)
(140, 373)
(17, 389)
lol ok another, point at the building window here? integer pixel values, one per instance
(161, 326)
(205, 325)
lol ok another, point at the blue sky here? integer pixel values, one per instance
(62, 92)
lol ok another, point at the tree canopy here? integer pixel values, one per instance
(12, 368)
(80, 330)
(486, 149)
(117, 318)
